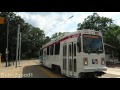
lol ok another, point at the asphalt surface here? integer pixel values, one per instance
(33, 69)
(39, 71)
(27, 69)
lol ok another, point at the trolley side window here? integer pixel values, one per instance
(63, 50)
(74, 49)
(51, 50)
(66, 50)
(69, 49)
(79, 44)
(57, 48)
(47, 50)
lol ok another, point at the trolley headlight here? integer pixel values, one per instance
(85, 61)
(102, 61)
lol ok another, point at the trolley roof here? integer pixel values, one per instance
(66, 34)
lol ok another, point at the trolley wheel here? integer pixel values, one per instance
(57, 69)
(88, 75)
(80, 75)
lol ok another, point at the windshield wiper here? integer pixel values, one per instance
(98, 51)
(89, 50)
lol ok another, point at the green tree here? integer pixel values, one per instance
(36, 40)
(109, 30)
(95, 22)
(110, 37)
(11, 18)
(47, 39)
(111, 34)
(55, 35)
(32, 37)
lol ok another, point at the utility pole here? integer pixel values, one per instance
(7, 43)
(17, 45)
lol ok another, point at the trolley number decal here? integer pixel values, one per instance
(94, 61)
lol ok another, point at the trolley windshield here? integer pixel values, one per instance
(92, 44)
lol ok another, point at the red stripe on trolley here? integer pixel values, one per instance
(63, 39)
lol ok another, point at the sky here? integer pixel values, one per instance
(52, 22)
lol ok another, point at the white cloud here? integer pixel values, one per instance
(52, 22)
(109, 14)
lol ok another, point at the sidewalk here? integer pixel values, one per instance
(13, 72)
(10, 72)
(113, 69)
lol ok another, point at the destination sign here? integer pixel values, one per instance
(90, 36)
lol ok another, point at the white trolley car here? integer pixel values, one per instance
(77, 54)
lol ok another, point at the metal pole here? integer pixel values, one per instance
(17, 45)
(7, 43)
(20, 48)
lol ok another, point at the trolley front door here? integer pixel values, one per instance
(72, 58)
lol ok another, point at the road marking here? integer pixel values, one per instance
(48, 73)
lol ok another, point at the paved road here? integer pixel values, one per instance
(39, 71)
(110, 73)
(27, 69)
(33, 69)
(43, 72)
